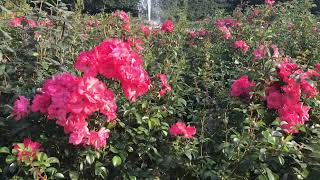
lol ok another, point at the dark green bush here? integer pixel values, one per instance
(96, 6)
(235, 139)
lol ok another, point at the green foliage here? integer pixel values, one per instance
(96, 6)
(41, 167)
(235, 139)
(195, 9)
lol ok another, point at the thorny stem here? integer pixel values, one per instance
(202, 134)
(249, 145)
(40, 8)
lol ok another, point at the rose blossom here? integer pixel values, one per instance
(21, 108)
(241, 87)
(241, 44)
(181, 128)
(269, 2)
(167, 26)
(165, 85)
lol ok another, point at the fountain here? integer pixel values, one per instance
(150, 9)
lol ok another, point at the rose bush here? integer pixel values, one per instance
(234, 96)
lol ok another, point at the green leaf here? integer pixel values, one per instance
(270, 174)
(130, 149)
(35, 174)
(74, 175)
(116, 161)
(281, 160)
(4, 150)
(10, 159)
(182, 101)
(59, 175)
(113, 149)
(51, 170)
(81, 166)
(2, 66)
(5, 34)
(97, 154)
(288, 138)
(54, 61)
(101, 171)
(276, 122)
(90, 158)
(138, 118)
(36, 163)
(41, 156)
(52, 160)
(45, 164)
(122, 124)
(165, 133)
(152, 122)
(13, 167)
(260, 111)
(262, 177)
(144, 105)
(156, 151)
(189, 155)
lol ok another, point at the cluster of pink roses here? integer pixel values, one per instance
(259, 52)
(241, 44)
(166, 27)
(115, 59)
(27, 151)
(223, 24)
(181, 128)
(135, 43)
(286, 98)
(124, 20)
(18, 22)
(71, 100)
(92, 23)
(25, 23)
(178, 128)
(147, 31)
(198, 33)
(242, 87)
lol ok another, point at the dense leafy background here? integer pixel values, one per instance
(235, 140)
(195, 9)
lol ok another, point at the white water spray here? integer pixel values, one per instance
(149, 9)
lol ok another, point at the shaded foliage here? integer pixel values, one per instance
(235, 139)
